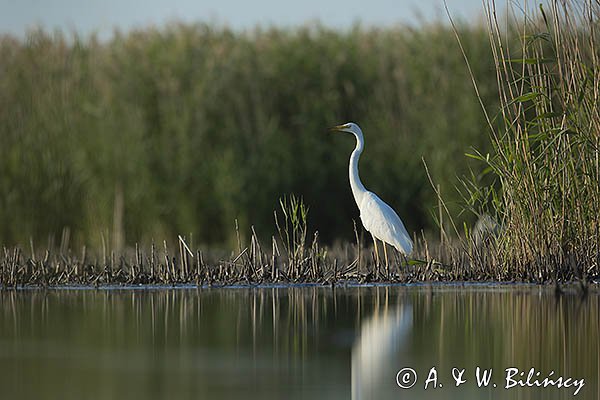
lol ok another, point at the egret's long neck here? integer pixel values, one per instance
(358, 188)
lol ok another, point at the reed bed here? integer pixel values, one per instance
(291, 257)
(188, 127)
(536, 189)
(167, 265)
(543, 174)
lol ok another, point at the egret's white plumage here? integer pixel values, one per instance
(377, 217)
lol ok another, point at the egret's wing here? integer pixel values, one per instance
(382, 221)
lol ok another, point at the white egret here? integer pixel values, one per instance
(377, 217)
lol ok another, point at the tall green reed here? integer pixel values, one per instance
(544, 176)
(187, 128)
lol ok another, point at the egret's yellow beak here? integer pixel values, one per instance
(338, 128)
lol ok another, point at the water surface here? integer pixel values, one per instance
(296, 343)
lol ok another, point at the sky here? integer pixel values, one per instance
(102, 16)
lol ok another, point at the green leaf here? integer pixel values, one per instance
(526, 97)
(537, 36)
(547, 115)
(531, 61)
(475, 156)
(543, 14)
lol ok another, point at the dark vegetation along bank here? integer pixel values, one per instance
(197, 131)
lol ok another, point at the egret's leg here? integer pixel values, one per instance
(387, 264)
(376, 252)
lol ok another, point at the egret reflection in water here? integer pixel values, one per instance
(291, 342)
(375, 349)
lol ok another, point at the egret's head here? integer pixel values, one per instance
(349, 127)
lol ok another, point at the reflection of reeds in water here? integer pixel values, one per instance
(294, 330)
(516, 327)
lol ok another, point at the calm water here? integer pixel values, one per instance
(309, 342)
